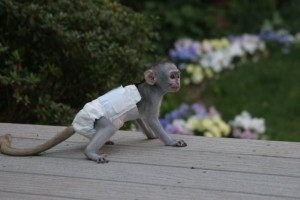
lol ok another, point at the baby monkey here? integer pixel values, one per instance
(102, 117)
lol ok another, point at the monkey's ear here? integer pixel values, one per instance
(150, 77)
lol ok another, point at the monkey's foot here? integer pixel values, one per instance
(180, 143)
(98, 158)
(152, 137)
(109, 143)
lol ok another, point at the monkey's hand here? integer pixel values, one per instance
(179, 143)
(98, 158)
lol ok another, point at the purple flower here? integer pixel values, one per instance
(173, 54)
(171, 129)
(248, 134)
(267, 35)
(175, 114)
(168, 117)
(213, 111)
(237, 133)
(232, 38)
(185, 49)
(199, 109)
(184, 110)
(164, 122)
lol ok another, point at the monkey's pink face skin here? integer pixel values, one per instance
(174, 80)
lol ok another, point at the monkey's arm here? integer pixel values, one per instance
(155, 125)
(5, 144)
(148, 132)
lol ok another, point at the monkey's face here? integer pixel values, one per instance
(171, 79)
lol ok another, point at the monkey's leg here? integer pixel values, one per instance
(104, 130)
(148, 132)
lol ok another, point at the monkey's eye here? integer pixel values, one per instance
(172, 76)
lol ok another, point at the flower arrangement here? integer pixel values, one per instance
(195, 119)
(201, 60)
(281, 36)
(247, 127)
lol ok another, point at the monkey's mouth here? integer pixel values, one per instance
(175, 87)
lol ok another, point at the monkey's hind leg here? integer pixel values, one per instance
(104, 130)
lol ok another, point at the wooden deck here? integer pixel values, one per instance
(208, 168)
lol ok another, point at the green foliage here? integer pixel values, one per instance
(190, 18)
(289, 11)
(268, 89)
(57, 55)
(248, 15)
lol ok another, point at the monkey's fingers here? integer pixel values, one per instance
(109, 143)
(180, 143)
(102, 160)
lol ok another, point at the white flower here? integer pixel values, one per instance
(208, 134)
(251, 43)
(206, 46)
(235, 49)
(182, 127)
(217, 60)
(245, 121)
(258, 125)
(197, 78)
(297, 37)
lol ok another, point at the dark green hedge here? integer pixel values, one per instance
(56, 55)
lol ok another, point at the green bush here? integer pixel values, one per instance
(57, 55)
(247, 16)
(289, 11)
(190, 18)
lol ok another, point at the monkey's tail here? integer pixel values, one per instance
(5, 144)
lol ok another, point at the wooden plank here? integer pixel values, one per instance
(81, 188)
(174, 157)
(142, 169)
(23, 196)
(202, 144)
(157, 175)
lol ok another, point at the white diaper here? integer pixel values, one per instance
(111, 105)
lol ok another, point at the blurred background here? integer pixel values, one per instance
(239, 61)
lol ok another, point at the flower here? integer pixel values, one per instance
(199, 110)
(192, 123)
(220, 54)
(193, 119)
(244, 126)
(186, 49)
(178, 127)
(194, 74)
